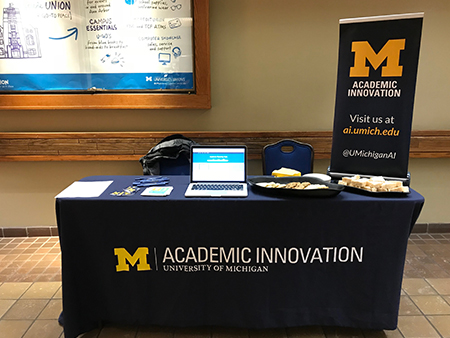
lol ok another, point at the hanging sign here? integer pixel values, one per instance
(96, 45)
(378, 60)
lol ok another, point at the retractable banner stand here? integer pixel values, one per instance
(378, 59)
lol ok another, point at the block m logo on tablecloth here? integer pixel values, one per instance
(123, 256)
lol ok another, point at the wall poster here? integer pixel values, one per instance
(96, 45)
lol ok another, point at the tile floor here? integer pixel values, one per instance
(30, 297)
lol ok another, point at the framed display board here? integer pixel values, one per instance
(102, 54)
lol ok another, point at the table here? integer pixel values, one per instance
(255, 262)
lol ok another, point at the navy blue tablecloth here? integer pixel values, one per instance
(256, 262)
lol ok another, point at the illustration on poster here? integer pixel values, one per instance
(19, 41)
(175, 23)
(176, 52)
(164, 58)
(115, 59)
(74, 32)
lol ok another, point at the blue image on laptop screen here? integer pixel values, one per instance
(218, 165)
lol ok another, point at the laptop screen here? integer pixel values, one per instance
(218, 163)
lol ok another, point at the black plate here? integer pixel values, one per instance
(374, 193)
(333, 189)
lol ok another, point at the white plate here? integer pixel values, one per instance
(322, 177)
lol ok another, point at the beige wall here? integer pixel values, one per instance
(273, 67)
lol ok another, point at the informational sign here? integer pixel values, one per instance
(96, 45)
(378, 60)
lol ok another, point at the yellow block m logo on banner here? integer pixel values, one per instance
(390, 51)
(123, 256)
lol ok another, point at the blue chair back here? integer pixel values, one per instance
(289, 154)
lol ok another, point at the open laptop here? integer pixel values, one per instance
(218, 171)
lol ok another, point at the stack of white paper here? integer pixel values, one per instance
(84, 189)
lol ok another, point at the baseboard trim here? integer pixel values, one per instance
(431, 228)
(41, 231)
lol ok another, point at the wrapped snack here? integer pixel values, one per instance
(374, 184)
(284, 172)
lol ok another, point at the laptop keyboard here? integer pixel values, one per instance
(217, 186)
